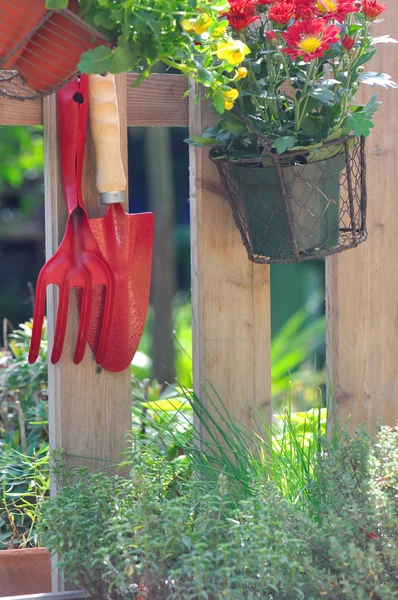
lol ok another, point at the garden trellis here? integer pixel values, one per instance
(89, 407)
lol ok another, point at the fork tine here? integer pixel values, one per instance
(84, 325)
(38, 318)
(60, 329)
(106, 323)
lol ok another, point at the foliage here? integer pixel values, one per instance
(22, 155)
(183, 35)
(214, 443)
(139, 538)
(23, 393)
(24, 486)
(297, 90)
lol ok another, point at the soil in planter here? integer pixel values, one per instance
(313, 195)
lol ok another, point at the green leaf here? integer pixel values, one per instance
(284, 143)
(200, 141)
(373, 78)
(359, 123)
(56, 4)
(218, 101)
(124, 58)
(204, 76)
(324, 96)
(96, 61)
(171, 405)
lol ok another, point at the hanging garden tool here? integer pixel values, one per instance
(78, 261)
(125, 240)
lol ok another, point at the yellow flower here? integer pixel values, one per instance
(202, 24)
(188, 25)
(241, 73)
(229, 98)
(233, 52)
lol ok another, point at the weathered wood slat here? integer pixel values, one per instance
(362, 284)
(89, 408)
(158, 102)
(230, 295)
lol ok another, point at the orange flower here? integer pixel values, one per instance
(372, 9)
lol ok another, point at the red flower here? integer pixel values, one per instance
(271, 36)
(371, 535)
(282, 11)
(265, 2)
(347, 43)
(372, 9)
(241, 13)
(336, 10)
(310, 39)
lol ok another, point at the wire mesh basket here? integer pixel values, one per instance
(294, 207)
(39, 48)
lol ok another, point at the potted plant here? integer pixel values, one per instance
(25, 566)
(290, 146)
(282, 76)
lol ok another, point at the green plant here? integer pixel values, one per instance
(304, 65)
(139, 538)
(183, 35)
(23, 393)
(24, 486)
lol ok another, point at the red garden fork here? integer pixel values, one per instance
(78, 261)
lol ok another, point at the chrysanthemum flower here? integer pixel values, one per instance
(372, 9)
(282, 11)
(241, 13)
(305, 9)
(233, 52)
(309, 39)
(336, 10)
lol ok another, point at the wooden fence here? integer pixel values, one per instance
(89, 407)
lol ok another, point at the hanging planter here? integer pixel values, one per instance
(289, 210)
(41, 48)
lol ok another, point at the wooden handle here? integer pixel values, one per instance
(105, 130)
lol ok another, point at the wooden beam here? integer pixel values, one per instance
(89, 408)
(362, 284)
(158, 102)
(230, 295)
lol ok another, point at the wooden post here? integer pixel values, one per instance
(362, 284)
(89, 408)
(230, 295)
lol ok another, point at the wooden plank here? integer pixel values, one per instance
(158, 102)
(89, 408)
(230, 295)
(362, 284)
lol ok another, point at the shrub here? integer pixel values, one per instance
(140, 538)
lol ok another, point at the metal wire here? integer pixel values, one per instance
(39, 51)
(295, 206)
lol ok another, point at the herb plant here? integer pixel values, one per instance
(139, 538)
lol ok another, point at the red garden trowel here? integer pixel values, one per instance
(125, 240)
